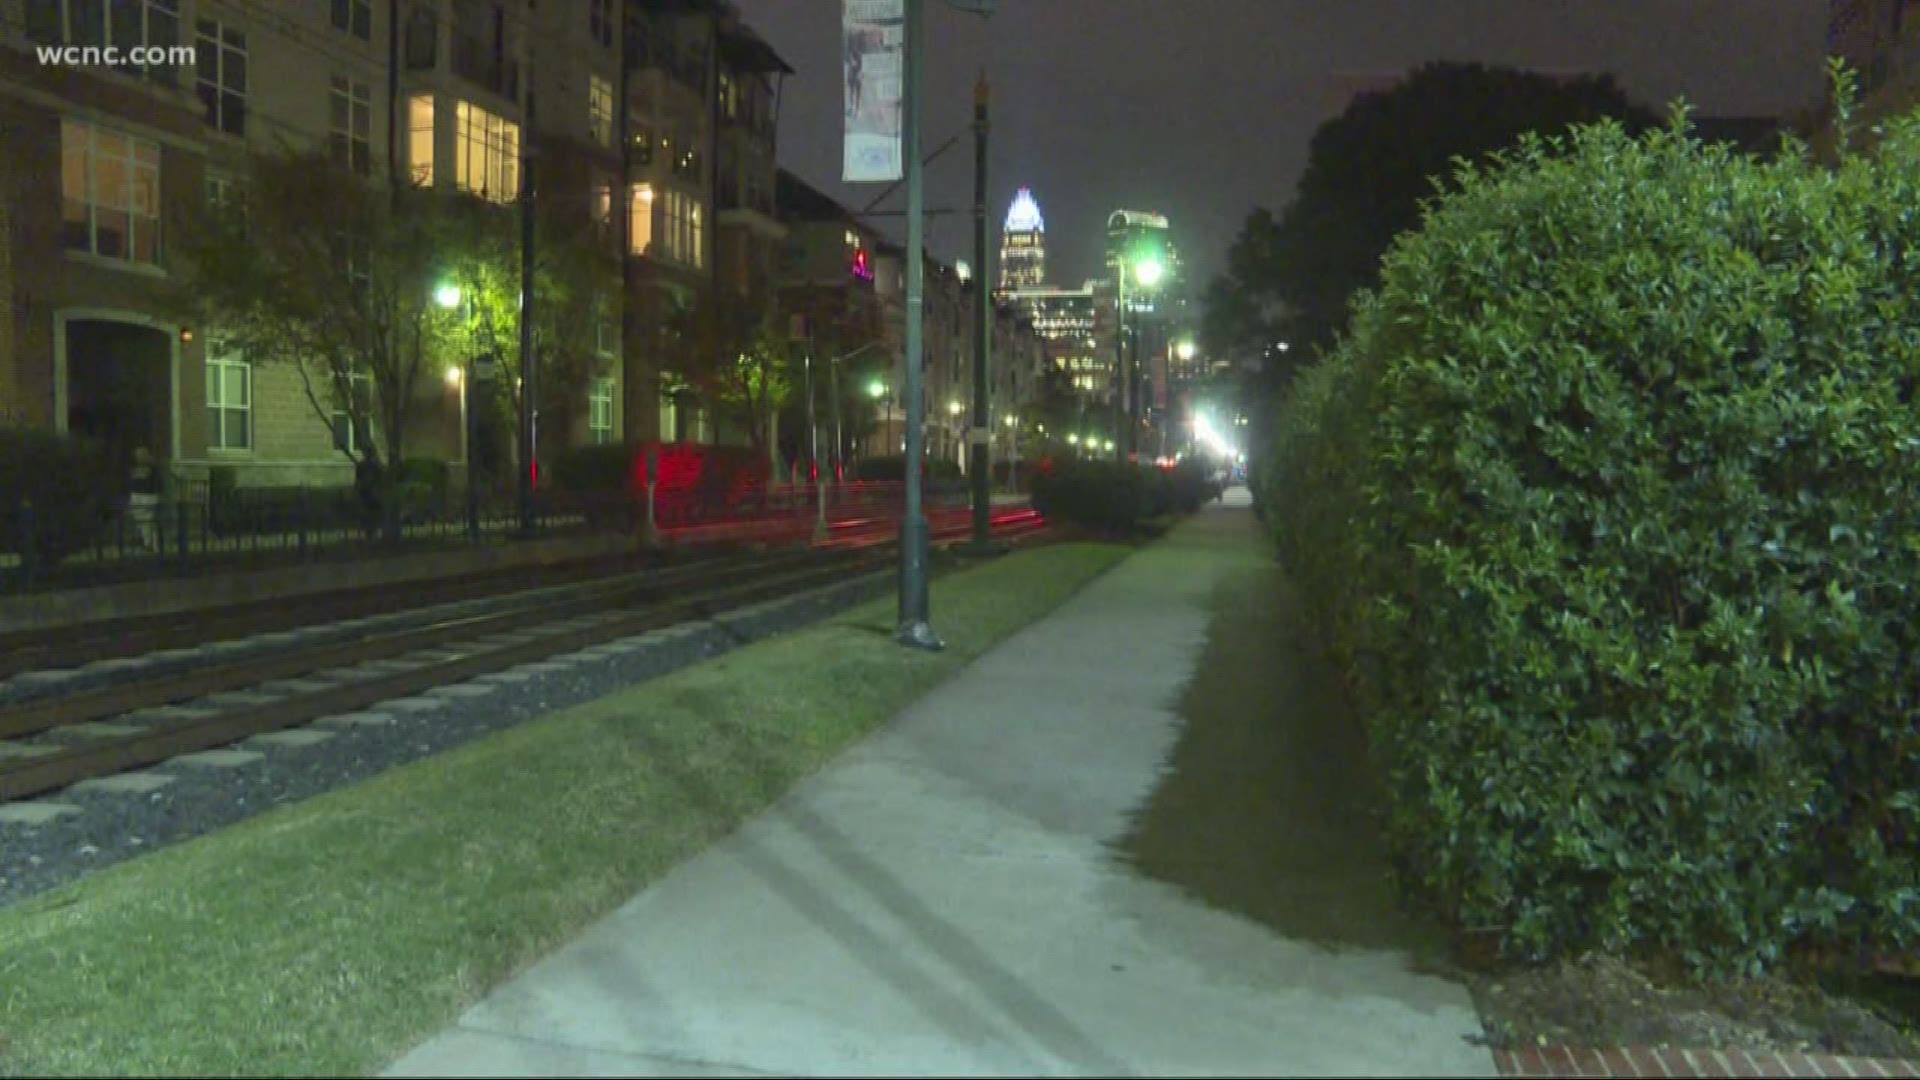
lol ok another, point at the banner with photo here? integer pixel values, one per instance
(875, 66)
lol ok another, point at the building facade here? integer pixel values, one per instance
(652, 122)
(826, 275)
(109, 163)
(1068, 325)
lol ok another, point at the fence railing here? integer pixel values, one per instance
(196, 529)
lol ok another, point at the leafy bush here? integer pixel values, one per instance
(234, 510)
(68, 488)
(425, 481)
(894, 469)
(1110, 497)
(1609, 501)
(1193, 485)
(605, 469)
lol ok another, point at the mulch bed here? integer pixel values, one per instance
(1600, 1016)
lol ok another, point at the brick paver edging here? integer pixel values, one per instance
(1640, 1061)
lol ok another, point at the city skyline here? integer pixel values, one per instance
(1102, 105)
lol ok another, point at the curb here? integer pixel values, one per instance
(1644, 1061)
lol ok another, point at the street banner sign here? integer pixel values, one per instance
(874, 62)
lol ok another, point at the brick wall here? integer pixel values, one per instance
(293, 444)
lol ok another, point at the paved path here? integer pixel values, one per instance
(954, 896)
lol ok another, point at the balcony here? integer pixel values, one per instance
(477, 63)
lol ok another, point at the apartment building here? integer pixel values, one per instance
(671, 103)
(826, 276)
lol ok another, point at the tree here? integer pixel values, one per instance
(1368, 173)
(576, 284)
(735, 356)
(313, 266)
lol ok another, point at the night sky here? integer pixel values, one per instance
(1202, 109)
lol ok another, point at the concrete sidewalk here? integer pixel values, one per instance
(953, 896)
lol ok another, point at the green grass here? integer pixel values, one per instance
(328, 937)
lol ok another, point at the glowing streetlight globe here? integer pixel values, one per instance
(1149, 272)
(953, 407)
(875, 389)
(1073, 440)
(447, 296)
(1185, 350)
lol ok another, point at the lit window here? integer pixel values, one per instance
(600, 109)
(486, 153)
(640, 219)
(110, 188)
(420, 138)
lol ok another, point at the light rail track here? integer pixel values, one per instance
(298, 687)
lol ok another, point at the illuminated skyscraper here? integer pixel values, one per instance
(1023, 252)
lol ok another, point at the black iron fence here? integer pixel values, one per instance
(195, 528)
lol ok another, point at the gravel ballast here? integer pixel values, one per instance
(121, 821)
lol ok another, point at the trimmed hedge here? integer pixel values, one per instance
(421, 485)
(894, 469)
(71, 485)
(1609, 502)
(1110, 497)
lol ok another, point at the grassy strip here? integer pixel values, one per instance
(328, 937)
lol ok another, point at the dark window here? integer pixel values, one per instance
(423, 38)
(354, 17)
(600, 22)
(221, 54)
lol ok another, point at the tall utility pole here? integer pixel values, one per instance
(978, 464)
(529, 371)
(914, 629)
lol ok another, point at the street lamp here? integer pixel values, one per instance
(954, 408)
(449, 296)
(1013, 453)
(1185, 350)
(877, 390)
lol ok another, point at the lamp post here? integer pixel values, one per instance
(915, 628)
(813, 453)
(980, 467)
(877, 390)
(1013, 453)
(954, 408)
(448, 296)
